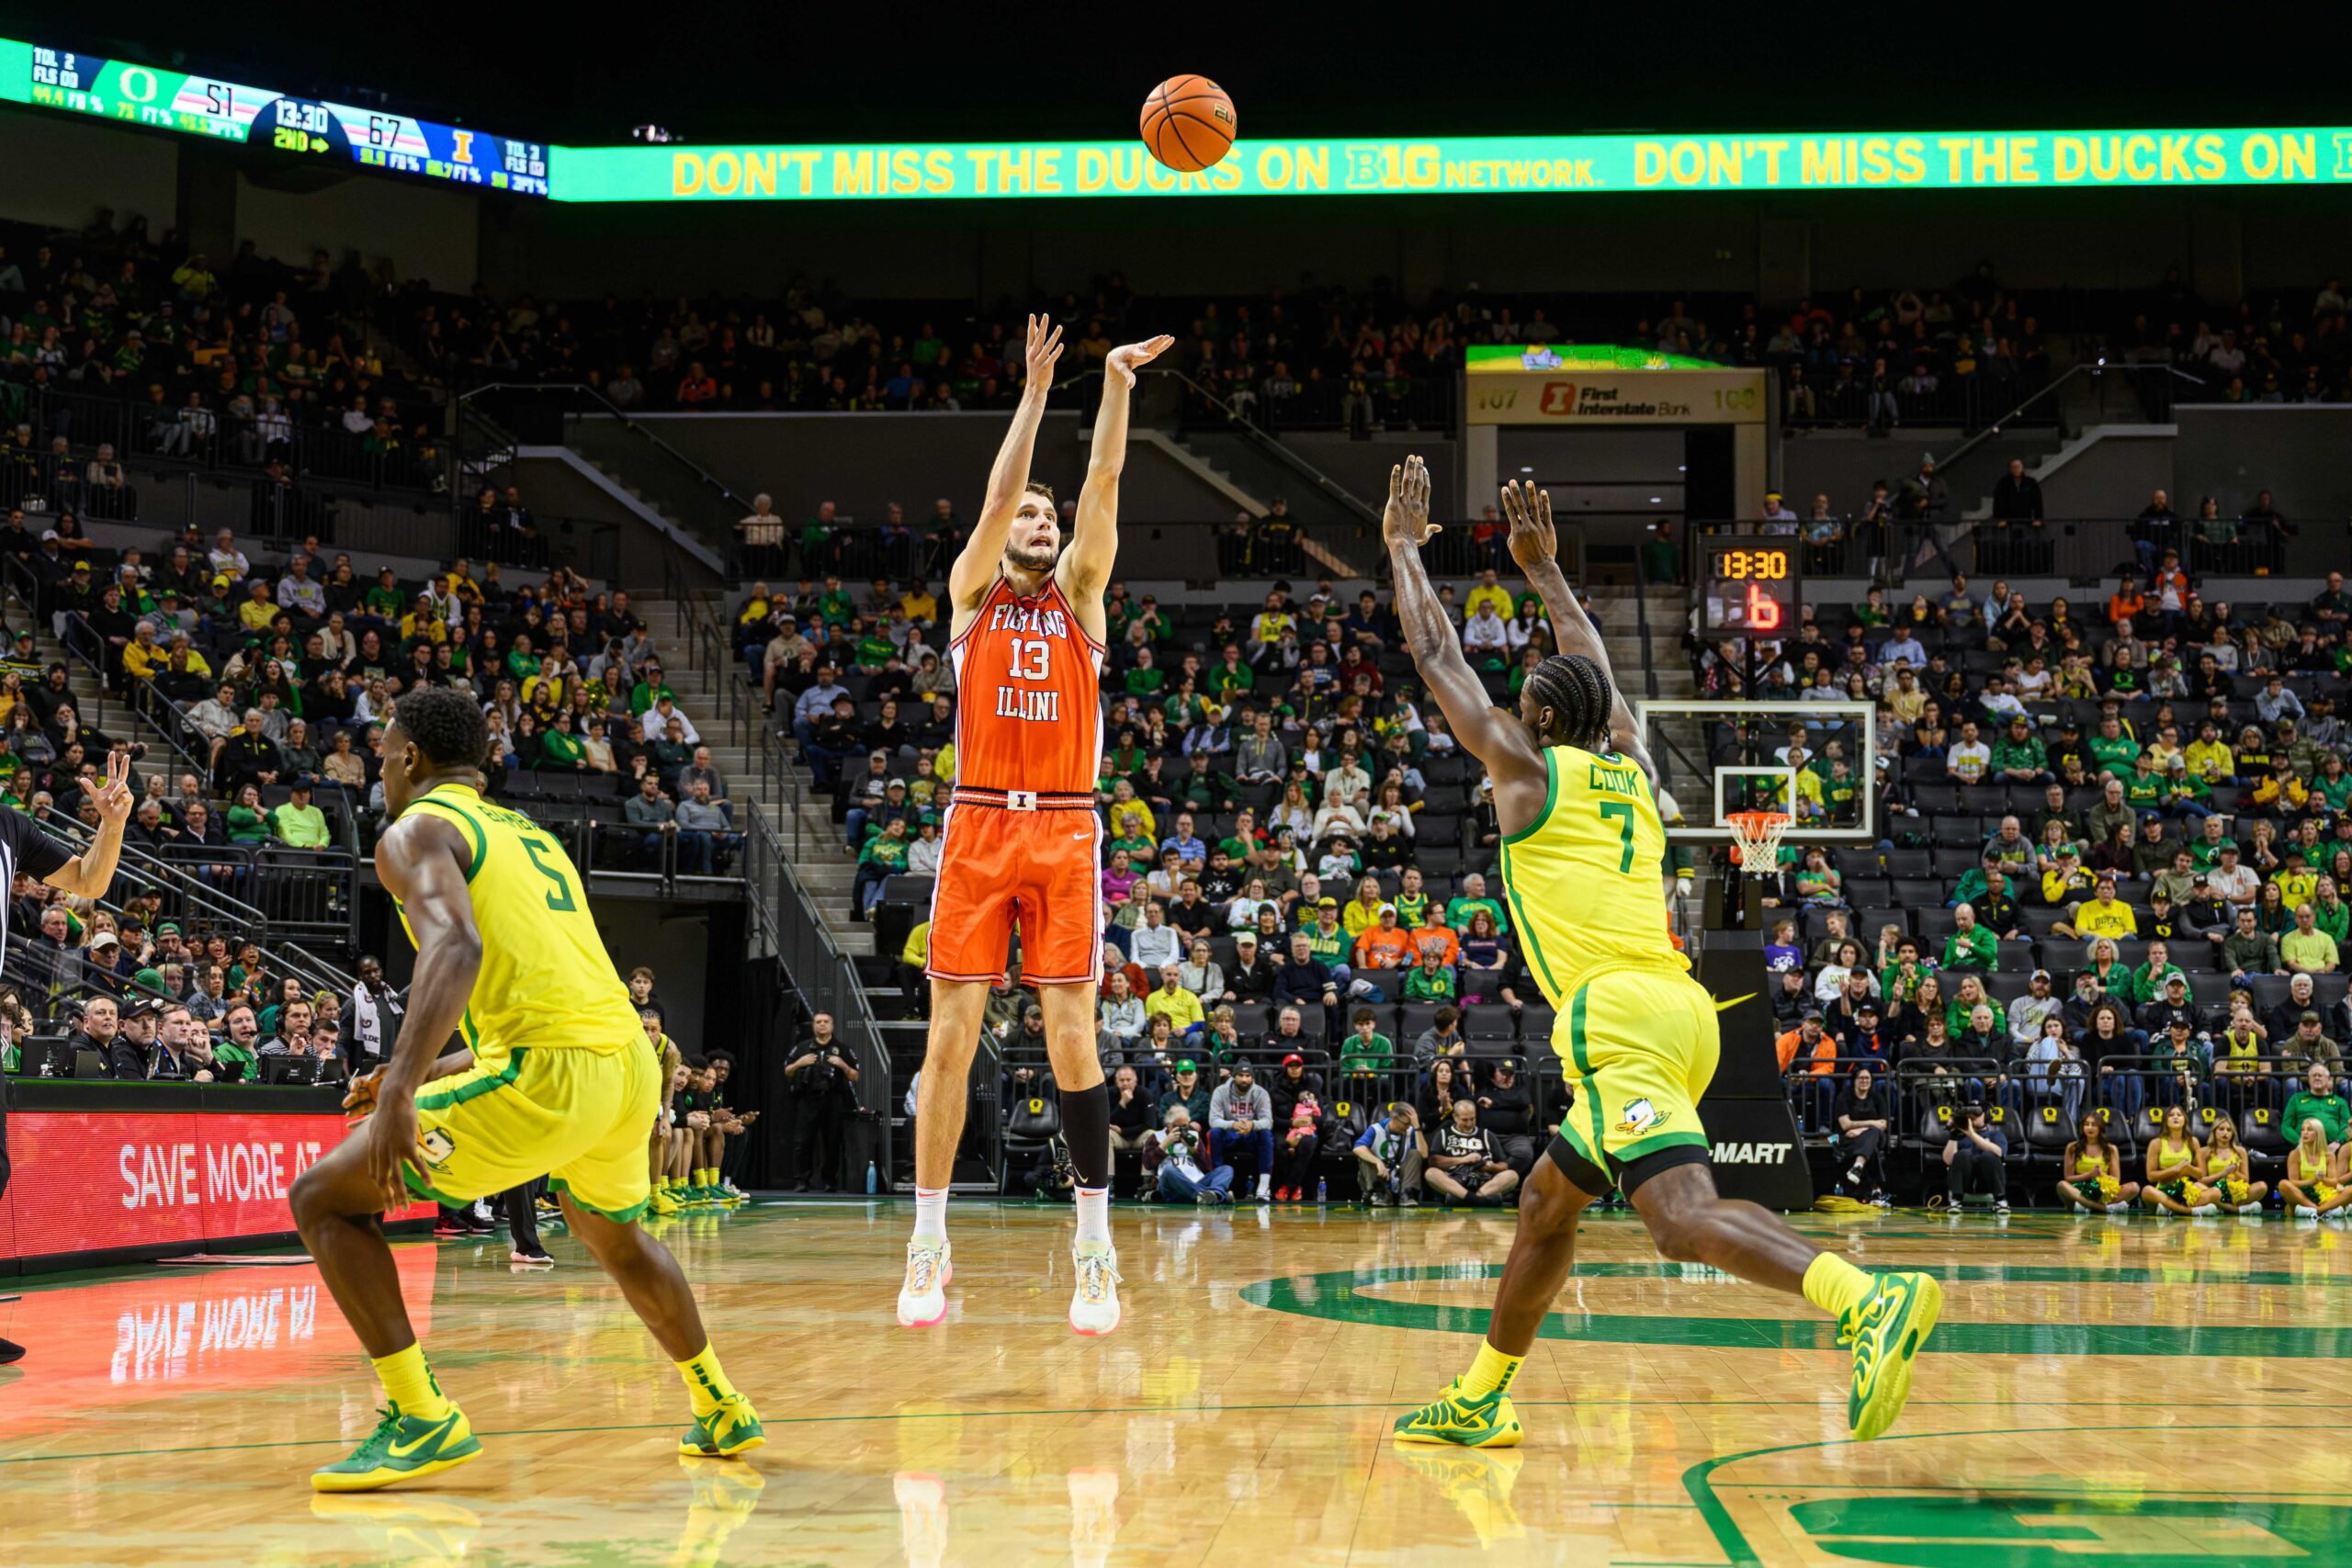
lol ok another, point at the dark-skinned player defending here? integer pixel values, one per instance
(1022, 847)
(1583, 853)
(557, 1080)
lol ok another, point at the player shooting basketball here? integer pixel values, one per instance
(1020, 850)
(1582, 855)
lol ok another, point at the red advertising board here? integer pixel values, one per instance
(87, 1181)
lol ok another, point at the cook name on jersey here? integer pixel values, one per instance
(1030, 659)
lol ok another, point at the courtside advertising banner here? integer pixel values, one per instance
(88, 1181)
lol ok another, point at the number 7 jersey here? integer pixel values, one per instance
(1585, 878)
(1028, 695)
(546, 980)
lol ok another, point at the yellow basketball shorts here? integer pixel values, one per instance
(578, 1117)
(1640, 1046)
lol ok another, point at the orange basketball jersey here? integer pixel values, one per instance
(1028, 696)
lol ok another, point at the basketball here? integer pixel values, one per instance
(1188, 123)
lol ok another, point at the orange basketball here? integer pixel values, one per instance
(1188, 123)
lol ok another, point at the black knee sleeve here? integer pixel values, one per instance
(1086, 1130)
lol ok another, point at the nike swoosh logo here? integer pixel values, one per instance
(1080, 836)
(440, 1430)
(1726, 1007)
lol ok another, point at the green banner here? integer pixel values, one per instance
(1494, 358)
(1928, 159)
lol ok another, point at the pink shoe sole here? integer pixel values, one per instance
(1098, 1333)
(946, 1278)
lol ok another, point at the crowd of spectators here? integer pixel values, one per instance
(116, 343)
(274, 676)
(2113, 851)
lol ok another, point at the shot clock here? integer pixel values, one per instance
(1748, 585)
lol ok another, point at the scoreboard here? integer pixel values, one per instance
(1748, 585)
(276, 124)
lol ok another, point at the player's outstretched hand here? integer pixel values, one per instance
(1529, 510)
(1406, 517)
(113, 797)
(1129, 357)
(1045, 347)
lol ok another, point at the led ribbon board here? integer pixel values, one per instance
(125, 93)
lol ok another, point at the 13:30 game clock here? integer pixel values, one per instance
(1749, 586)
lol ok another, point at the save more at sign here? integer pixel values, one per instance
(91, 1180)
(231, 1172)
(1616, 397)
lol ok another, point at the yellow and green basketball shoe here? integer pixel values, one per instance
(401, 1448)
(1466, 1420)
(732, 1428)
(1887, 1331)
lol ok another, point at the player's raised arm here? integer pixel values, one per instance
(1534, 544)
(1494, 737)
(975, 566)
(1094, 543)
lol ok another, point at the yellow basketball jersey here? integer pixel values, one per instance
(546, 981)
(1586, 879)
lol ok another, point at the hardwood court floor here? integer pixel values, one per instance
(2101, 1391)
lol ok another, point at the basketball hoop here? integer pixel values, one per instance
(1756, 840)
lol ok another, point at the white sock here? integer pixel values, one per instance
(1093, 1214)
(930, 1215)
(1263, 1183)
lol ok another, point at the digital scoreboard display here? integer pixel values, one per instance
(275, 123)
(1749, 586)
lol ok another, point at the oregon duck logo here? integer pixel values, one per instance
(438, 1146)
(1640, 1116)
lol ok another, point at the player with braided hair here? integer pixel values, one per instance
(1583, 854)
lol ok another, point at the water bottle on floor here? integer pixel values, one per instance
(872, 1178)
(1322, 1189)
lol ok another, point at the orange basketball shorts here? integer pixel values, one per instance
(1038, 874)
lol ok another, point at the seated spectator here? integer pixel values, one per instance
(654, 814)
(1862, 1124)
(1970, 946)
(2307, 949)
(2319, 1100)
(1121, 1019)
(2103, 916)
(1241, 1128)
(705, 837)
(1182, 1007)
(1809, 1047)
(1391, 1159)
(1507, 1109)
(1131, 1111)
(2248, 949)
(298, 824)
(1466, 1161)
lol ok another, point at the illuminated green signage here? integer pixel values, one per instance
(45, 76)
(1955, 160)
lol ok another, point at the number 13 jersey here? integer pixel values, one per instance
(1028, 695)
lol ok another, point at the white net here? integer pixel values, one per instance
(1756, 836)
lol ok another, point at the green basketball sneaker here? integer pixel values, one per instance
(1469, 1421)
(732, 1428)
(1885, 1331)
(401, 1448)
